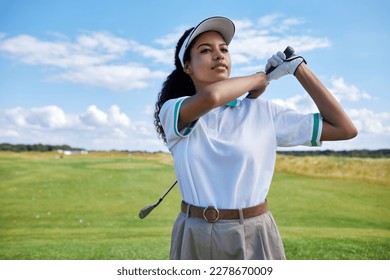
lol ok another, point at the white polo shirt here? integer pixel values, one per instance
(226, 159)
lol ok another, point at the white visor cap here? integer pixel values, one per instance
(222, 25)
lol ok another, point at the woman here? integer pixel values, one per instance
(224, 150)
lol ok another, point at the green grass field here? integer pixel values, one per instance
(86, 206)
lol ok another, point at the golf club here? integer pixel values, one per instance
(146, 210)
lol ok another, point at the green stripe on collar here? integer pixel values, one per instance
(233, 103)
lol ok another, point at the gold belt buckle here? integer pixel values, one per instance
(211, 208)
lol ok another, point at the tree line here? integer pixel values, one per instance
(382, 153)
(35, 147)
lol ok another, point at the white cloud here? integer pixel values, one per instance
(43, 117)
(257, 41)
(169, 41)
(9, 133)
(96, 59)
(15, 116)
(349, 92)
(249, 48)
(116, 117)
(47, 117)
(159, 55)
(114, 77)
(342, 91)
(101, 59)
(53, 118)
(102, 41)
(149, 110)
(30, 50)
(92, 129)
(94, 117)
(277, 23)
(373, 128)
(371, 122)
(268, 20)
(300, 103)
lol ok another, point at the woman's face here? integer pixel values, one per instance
(210, 60)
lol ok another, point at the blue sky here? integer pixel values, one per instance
(87, 73)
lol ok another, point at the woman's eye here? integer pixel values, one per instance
(205, 51)
(223, 50)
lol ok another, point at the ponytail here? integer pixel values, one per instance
(177, 84)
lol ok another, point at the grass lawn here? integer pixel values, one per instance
(86, 206)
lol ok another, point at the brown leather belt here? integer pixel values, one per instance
(212, 214)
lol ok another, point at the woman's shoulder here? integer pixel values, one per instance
(173, 102)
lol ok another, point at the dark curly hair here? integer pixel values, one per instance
(177, 84)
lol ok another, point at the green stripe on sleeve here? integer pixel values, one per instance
(176, 116)
(316, 124)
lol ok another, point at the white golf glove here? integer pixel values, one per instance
(282, 65)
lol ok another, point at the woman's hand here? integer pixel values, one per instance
(256, 92)
(283, 66)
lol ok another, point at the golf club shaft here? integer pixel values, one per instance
(170, 188)
(146, 210)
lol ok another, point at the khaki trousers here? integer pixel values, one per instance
(250, 239)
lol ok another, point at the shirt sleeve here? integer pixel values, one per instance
(169, 117)
(293, 128)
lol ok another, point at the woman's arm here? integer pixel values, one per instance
(218, 94)
(336, 123)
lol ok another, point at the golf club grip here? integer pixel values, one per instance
(289, 51)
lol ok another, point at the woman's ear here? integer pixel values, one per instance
(187, 68)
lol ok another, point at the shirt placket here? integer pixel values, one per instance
(213, 122)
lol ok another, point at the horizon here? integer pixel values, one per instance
(279, 150)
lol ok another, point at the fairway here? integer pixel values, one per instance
(86, 206)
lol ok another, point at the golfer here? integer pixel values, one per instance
(224, 149)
